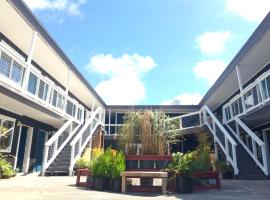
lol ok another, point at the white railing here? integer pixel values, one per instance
(253, 96)
(84, 136)
(57, 142)
(222, 137)
(190, 120)
(38, 87)
(251, 142)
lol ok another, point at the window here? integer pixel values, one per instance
(32, 83)
(69, 107)
(43, 90)
(6, 133)
(17, 72)
(5, 64)
(79, 114)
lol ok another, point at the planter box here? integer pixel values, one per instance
(211, 178)
(147, 162)
(83, 172)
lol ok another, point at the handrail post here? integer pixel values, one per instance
(265, 164)
(227, 148)
(235, 160)
(254, 148)
(45, 158)
(71, 160)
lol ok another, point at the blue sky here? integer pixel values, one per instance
(150, 51)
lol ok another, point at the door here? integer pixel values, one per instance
(21, 151)
(41, 139)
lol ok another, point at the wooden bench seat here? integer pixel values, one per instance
(144, 174)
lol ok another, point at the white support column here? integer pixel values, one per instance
(67, 89)
(28, 62)
(109, 122)
(240, 87)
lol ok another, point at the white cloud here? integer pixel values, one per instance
(124, 84)
(252, 10)
(209, 70)
(69, 6)
(184, 99)
(212, 43)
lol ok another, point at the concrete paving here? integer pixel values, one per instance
(33, 187)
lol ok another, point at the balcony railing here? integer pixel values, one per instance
(38, 87)
(253, 96)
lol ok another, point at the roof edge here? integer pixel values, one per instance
(255, 36)
(36, 24)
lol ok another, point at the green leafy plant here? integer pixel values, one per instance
(6, 170)
(110, 164)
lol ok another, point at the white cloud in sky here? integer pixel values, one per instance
(209, 70)
(72, 7)
(251, 10)
(124, 83)
(184, 99)
(213, 43)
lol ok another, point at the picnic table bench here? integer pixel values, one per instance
(144, 174)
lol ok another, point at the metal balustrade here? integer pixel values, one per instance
(85, 135)
(38, 88)
(254, 95)
(57, 142)
(251, 142)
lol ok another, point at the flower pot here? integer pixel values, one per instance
(116, 185)
(146, 164)
(91, 181)
(99, 182)
(184, 184)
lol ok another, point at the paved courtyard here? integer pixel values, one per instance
(33, 187)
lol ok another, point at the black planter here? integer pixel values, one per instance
(116, 185)
(227, 175)
(184, 184)
(146, 164)
(99, 183)
(91, 181)
(131, 164)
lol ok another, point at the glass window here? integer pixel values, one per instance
(32, 83)
(41, 89)
(17, 72)
(69, 107)
(6, 133)
(5, 64)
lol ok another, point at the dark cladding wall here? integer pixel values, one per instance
(27, 122)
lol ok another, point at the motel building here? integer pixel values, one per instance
(49, 112)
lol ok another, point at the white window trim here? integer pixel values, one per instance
(14, 122)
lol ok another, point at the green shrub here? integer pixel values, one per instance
(6, 170)
(110, 164)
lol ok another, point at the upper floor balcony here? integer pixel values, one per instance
(35, 86)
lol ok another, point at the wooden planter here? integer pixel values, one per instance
(83, 172)
(211, 178)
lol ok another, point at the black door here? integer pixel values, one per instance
(39, 150)
(21, 151)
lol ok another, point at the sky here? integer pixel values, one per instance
(150, 51)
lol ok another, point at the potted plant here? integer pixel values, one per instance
(119, 165)
(101, 169)
(6, 170)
